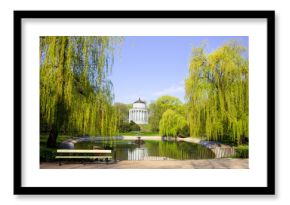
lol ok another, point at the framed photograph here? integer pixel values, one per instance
(144, 102)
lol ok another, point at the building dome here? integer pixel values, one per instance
(139, 101)
(139, 112)
(139, 104)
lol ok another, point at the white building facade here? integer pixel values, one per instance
(139, 113)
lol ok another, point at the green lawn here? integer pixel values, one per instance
(60, 138)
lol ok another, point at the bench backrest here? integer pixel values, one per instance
(83, 151)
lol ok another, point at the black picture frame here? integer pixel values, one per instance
(19, 189)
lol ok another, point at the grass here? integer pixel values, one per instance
(60, 138)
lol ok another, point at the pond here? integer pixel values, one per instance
(150, 149)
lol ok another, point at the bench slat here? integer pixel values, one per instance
(82, 151)
(83, 157)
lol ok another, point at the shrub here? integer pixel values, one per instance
(128, 127)
(47, 154)
(242, 151)
(134, 126)
(125, 127)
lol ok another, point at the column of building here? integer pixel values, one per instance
(138, 115)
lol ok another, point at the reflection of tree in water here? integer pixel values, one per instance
(178, 150)
(129, 150)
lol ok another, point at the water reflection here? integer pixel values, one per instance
(151, 150)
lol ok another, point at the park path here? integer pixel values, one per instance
(225, 163)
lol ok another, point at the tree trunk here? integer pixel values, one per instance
(51, 142)
(242, 139)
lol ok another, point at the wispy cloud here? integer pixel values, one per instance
(172, 90)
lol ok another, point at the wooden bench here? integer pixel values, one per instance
(83, 154)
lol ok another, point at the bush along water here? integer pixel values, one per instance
(242, 151)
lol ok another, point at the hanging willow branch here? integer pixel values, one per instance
(75, 91)
(217, 93)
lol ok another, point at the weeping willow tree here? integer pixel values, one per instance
(171, 123)
(75, 91)
(217, 93)
(158, 107)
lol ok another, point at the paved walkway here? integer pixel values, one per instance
(163, 164)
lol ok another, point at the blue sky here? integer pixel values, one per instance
(151, 66)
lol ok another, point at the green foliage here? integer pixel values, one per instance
(47, 154)
(75, 91)
(172, 124)
(122, 110)
(129, 127)
(146, 128)
(162, 104)
(134, 126)
(122, 114)
(242, 151)
(217, 93)
(184, 131)
(125, 127)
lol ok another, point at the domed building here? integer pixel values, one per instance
(139, 112)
